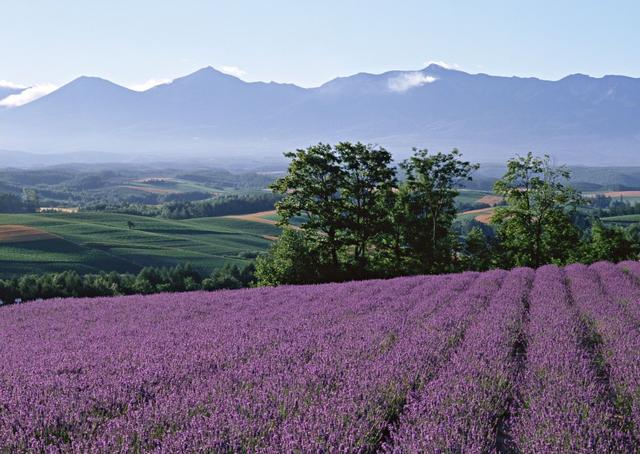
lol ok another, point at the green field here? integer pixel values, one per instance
(296, 220)
(173, 185)
(470, 195)
(631, 197)
(90, 242)
(625, 219)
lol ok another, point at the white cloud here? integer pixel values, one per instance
(28, 95)
(444, 64)
(406, 81)
(144, 86)
(7, 84)
(233, 71)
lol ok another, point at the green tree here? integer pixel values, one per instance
(226, 277)
(613, 244)
(30, 199)
(477, 253)
(392, 254)
(292, 259)
(148, 280)
(312, 187)
(11, 203)
(535, 226)
(428, 200)
(340, 191)
(368, 179)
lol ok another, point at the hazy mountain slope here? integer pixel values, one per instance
(578, 119)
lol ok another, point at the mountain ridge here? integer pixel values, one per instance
(208, 112)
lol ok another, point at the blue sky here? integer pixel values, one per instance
(308, 43)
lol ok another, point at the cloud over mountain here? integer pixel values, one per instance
(408, 80)
(27, 95)
(233, 71)
(13, 85)
(144, 86)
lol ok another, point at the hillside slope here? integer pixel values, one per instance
(91, 242)
(529, 361)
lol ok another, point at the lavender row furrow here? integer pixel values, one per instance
(622, 283)
(598, 291)
(270, 404)
(269, 387)
(459, 411)
(449, 363)
(563, 404)
(126, 374)
(631, 267)
(376, 389)
(149, 380)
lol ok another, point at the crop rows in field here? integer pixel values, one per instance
(518, 361)
(91, 242)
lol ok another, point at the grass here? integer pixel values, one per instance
(92, 242)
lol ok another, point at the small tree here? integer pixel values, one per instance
(130, 224)
(535, 227)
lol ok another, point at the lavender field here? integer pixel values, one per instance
(518, 361)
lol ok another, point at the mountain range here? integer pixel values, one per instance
(578, 119)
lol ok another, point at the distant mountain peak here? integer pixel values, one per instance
(577, 76)
(577, 119)
(207, 70)
(91, 83)
(205, 75)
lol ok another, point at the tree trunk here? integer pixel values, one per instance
(537, 245)
(334, 249)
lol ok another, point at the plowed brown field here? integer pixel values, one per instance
(19, 233)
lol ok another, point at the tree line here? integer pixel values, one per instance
(12, 203)
(220, 206)
(149, 280)
(362, 221)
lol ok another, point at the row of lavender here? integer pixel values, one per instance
(522, 360)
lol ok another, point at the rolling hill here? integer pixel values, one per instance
(94, 242)
(577, 119)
